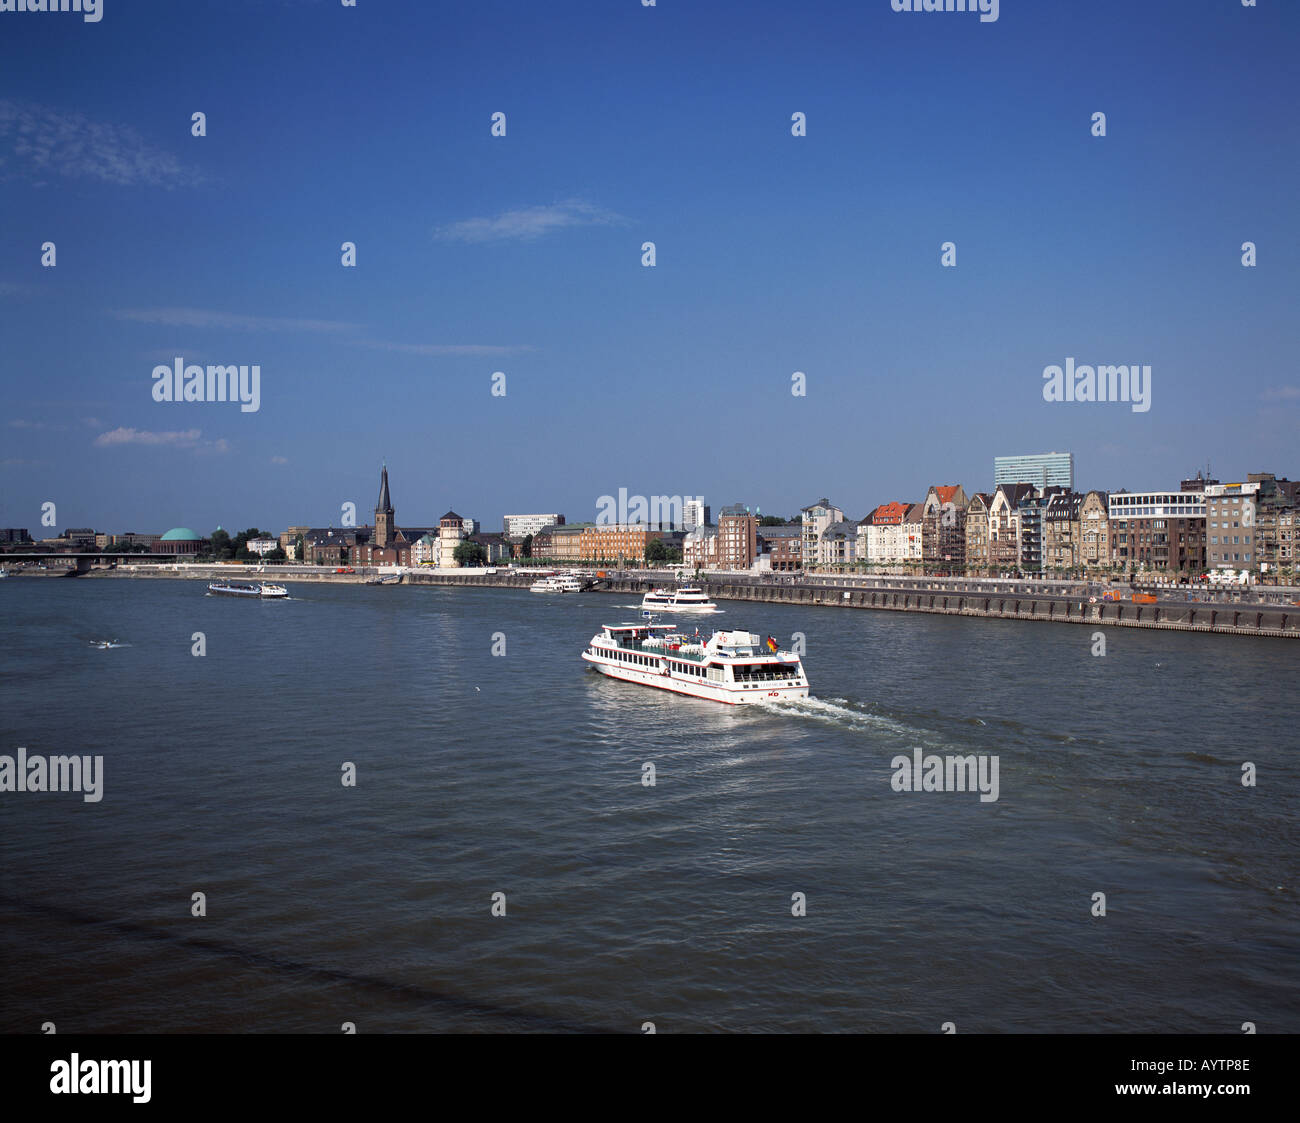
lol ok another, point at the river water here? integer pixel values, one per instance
(522, 774)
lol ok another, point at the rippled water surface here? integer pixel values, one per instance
(522, 775)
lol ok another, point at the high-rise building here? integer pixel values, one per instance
(518, 527)
(1044, 469)
(695, 512)
(737, 537)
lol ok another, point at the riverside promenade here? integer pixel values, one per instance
(1246, 612)
(1267, 611)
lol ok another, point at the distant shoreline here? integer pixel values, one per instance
(1047, 602)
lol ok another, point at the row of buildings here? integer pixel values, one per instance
(1203, 524)
(1038, 524)
(385, 543)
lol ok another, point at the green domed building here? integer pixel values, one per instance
(180, 540)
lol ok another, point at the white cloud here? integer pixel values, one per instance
(528, 223)
(180, 438)
(1282, 394)
(44, 140)
(203, 318)
(122, 436)
(235, 321)
(446, 348)
(279, 460)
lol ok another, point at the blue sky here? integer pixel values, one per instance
(522, 254)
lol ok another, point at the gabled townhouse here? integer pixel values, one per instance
(1094, 532)
(1004, 526)
(943, 527)
(913, 534)
(977, 532)
(1276, 525)
(1062, 537)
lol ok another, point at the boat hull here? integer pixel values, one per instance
(248, 594)
(729, 694)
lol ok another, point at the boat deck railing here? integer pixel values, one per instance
(661, 649)
(768, 676)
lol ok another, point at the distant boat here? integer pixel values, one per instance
(560, 583)
(688, 599)
(261, 589)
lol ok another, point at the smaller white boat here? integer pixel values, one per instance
(263, 589)
(686, 599)
(560, 583)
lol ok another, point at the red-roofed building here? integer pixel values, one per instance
(882, 539)
(943, 528)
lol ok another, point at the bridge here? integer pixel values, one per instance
(79, 563)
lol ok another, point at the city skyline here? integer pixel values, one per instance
(668, 507)
(522, 254)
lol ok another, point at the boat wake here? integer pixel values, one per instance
(840, 711)
(104, 644)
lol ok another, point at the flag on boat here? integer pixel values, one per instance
(771, 644)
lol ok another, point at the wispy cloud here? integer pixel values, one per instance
(1282, 394)
(235, 321)
(180, 438)
(43, 141)
(446, 348)
(528, 223)
(279, 460)
(204, 318)
(22, 423)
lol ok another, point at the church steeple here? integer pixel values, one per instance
(384, 514)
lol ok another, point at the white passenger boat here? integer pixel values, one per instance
(687, 599)
(731, 667)
(560, 583)
(263, 589)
